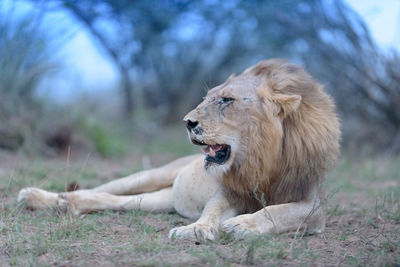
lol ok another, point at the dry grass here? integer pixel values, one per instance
(363, 221)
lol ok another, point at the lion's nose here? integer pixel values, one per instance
(191, 124)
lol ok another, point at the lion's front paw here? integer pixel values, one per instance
(244, 225)
(194, 232)
(36, 198)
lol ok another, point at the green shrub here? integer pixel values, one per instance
(108, 141)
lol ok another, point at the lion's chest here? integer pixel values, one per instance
(192, 188)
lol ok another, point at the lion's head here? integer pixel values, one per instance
(271, 128)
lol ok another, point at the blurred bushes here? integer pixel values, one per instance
(36, 125)
(169, 52)
(25, 59)
(108, 141)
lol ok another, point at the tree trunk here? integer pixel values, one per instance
(127, 94)
(125, 80)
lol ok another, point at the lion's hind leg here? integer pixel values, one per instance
(141, 182)
(86, 201)
(79, 202)
(147, 181)
(152, 180)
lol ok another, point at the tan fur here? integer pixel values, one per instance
(308, 134)
(284, 136)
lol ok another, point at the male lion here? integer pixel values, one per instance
(268, 135)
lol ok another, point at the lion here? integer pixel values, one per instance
(268, 137)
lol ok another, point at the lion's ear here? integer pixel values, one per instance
(286, 104)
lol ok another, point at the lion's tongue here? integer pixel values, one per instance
(212, 149)
(217, 148)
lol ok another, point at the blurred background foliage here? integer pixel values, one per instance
(168, 53)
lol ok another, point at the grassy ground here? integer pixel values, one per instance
(363, 219)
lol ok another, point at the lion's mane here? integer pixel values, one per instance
(309, 144)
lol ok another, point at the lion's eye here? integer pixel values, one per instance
(226, 100)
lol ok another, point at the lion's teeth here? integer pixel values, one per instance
(212, 152)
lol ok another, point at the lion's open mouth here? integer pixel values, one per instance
(218, 153)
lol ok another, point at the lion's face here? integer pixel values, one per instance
(230, 116)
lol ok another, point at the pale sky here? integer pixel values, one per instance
(87, 68)
(383, 19)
